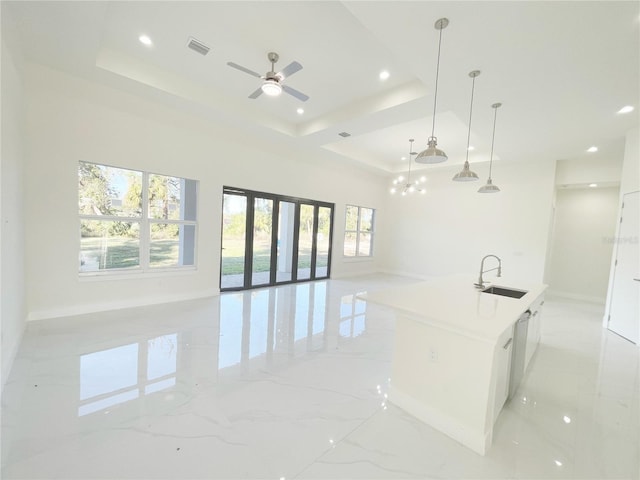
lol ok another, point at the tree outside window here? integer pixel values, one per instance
(358, 231)
(134, 220)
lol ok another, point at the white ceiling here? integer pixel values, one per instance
(561, 69)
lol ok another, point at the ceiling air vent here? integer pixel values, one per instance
(198, 46)
(344, 134)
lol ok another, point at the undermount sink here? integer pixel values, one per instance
(505, 292)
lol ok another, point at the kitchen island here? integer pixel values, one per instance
(453, 351)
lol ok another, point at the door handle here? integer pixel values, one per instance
(506, 345)
(637, 279)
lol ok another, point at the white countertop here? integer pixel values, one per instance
(453, 303)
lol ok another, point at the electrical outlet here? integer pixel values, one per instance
(433, 355)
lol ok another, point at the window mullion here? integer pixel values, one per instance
(145, 225)
(358, 234)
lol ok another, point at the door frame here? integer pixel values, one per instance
(615, 274)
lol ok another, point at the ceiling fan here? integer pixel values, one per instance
(272, 84)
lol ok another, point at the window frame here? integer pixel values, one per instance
(144, 221)
(358, 231)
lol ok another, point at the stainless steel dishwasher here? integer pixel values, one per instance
(518, 352)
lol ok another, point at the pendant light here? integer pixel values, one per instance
(466, 175)
(408, 187)
(433, 154)
(490, 187)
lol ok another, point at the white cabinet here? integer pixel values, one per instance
(502, 370)
(533, 331)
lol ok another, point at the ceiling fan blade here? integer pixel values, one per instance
(295, 93)
(243, 69)
(290, 69)
(257, 93)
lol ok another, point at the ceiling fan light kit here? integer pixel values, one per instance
(432, 154)
(271, 87)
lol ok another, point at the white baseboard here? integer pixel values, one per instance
(368, 271)
(117, 305)
(477, 441)
(577, 296)
(7, 363)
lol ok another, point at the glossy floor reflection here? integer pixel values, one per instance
(290, 382)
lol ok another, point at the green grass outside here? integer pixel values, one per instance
(115, 253)
(233, 256)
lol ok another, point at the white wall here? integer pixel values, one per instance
(449, 229)
(12, 254)
(630, 180)
(585, 224)
(70, 119)
(585, 171)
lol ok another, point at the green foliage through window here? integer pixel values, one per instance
(117, 231)
(358, 231)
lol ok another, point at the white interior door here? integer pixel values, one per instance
(624, 312)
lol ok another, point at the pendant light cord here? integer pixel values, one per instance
(493, 137)
(435, 93)
(473, 85)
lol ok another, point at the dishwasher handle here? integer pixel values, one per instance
(525, 316)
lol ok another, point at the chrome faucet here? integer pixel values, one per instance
(480, 283)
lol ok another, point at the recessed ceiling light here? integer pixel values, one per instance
(565, 418)
(558, 463)
(300, 111)
(592, 149)
(384, 75)
(626, 109)
(592, 185)
(403, 158)
(145, 40)
(471, 148)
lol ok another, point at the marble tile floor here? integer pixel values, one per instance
(290, 383)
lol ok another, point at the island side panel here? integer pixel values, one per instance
(444, 379)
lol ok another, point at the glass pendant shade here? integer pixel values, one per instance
(432, 154)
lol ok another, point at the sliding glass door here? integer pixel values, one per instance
(286, 224)
(262, 240)
(305, 241)
(234, 232)
(270, 239)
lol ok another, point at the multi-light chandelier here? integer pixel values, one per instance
(405, 186)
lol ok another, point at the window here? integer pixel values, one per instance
(358, 232)
(131, 220)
